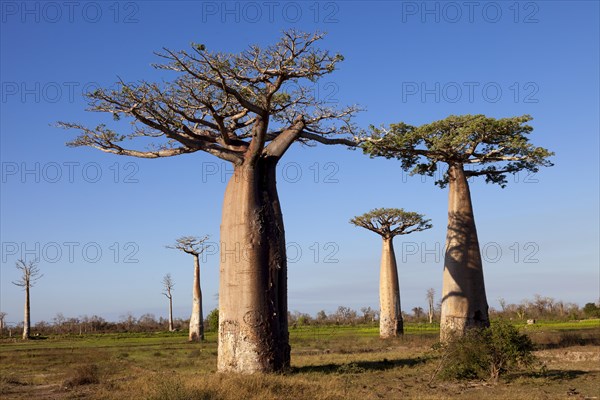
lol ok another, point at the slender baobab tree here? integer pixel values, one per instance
(194, 246)
(469, 145)
(430, 304)
(2, 316)
(30, 273)
(390, 222)
(168, 285)
(247, 109)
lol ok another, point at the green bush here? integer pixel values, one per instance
(213, 320)
(486, 353)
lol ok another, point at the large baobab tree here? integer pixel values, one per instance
(247, 109)
(30, 273)
(388, 223)
(194, 246)
(469, 145)
(168, 285)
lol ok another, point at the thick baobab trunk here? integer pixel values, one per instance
(27, 316)
(196, 320)
(253, 331)
(390, 316)
(464, 303)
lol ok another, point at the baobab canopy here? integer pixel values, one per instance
(390, 222)
(485, 145)
(219, 102)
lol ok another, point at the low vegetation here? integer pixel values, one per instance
(328, 362)
(486, 353)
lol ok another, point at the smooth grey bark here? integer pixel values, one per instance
(171, 313)
(390, 317)
(253, 328)
(464, 303)
(196, 320)
(27, 315)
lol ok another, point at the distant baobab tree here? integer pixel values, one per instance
(2, 316)
(30, 274)
(194, 246)
(390, 222)
(167, 291)
(430, 304)
(469, 145)
(246, 109)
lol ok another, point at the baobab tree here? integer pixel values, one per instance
(30, 274)
(430, 304)
(194, 246)
(388, 223)
(246, 109)
(168, 285)
(470, 146)
(2, 316)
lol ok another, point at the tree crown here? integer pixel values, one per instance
(168, 285)
(488, 146)
(190, 244)
(229, 105)
(390, 222)
(30, 273)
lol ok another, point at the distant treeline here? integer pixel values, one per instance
(540, 307)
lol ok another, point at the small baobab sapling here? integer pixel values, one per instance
(390, 222)
(30, 273)
(470, 146)
(168, 285)
(194, 246)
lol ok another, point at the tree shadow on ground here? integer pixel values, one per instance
(359, 366)
(549, 374)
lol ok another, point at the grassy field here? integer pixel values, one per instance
(327, 363)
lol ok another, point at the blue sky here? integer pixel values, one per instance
(99, 222)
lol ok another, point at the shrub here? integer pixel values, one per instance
(486, 353)
(213, 320)
(83, 375)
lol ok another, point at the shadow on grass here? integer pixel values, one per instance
(36, 337)
(550, 374)
(357, 367)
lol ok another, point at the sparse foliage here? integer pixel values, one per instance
(390, 222)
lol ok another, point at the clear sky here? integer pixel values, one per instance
(99, 223)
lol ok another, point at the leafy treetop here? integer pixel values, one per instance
(390, 222)
(488, 146)
(190, 244)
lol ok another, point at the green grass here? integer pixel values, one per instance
(331, 362)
